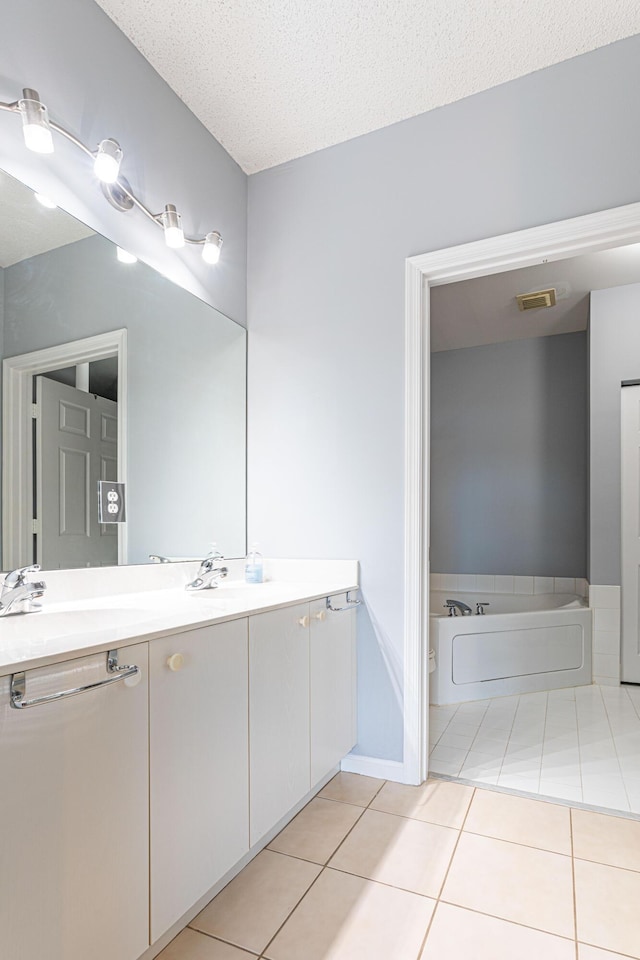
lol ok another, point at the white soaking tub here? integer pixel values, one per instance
(521, 644)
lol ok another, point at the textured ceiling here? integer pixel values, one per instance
(27, 228)
(276, 79)
(484, 310)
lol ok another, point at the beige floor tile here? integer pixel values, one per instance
(252, 907)
(403, 853)
(348, 918)
(513, 882)
(317, 830)
(436, 801)
(586, 952)
(190, 945)
(530, 822)
(458, 934)
(352, 788)
(606, 839)
(607, 901)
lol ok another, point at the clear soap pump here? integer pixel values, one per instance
(254, 566)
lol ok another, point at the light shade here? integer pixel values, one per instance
(172, 223)
(35, 122)
(212, 247)
(124, 256)
(107, 162)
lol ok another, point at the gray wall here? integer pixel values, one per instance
(328, 236)
(509, 458)
(187, 389)
(98, 85)
(614, 348)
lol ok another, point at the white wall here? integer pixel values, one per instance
(328, 237)
(614, 350)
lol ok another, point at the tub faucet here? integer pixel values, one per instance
(457, 605)
(18, 593)
(210, 573)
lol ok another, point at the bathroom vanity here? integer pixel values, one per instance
(125, 808)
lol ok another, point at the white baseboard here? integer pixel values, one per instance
(374, 767)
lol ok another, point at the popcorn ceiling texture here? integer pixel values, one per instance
(276, 79)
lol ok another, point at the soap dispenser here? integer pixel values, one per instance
(254, 566)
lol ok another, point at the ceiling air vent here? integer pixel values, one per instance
(540, 298)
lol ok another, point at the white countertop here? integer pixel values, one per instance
(66, 629)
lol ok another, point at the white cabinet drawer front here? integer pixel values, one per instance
(332, 686)
(278, 714)
(199, 765)
(74, 827)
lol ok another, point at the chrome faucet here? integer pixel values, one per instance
(210, 573)
(18, 593)
(457, 605)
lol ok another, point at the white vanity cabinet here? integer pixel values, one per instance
(74, 815)
(332, 682)
(301, 703)
(199, 764)
(278, 714)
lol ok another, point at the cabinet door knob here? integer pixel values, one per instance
(175, 662)
(321, 615)
(304, 621)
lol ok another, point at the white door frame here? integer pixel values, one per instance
(555, 241)
(17, 445)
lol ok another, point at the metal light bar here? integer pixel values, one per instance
(37, 130)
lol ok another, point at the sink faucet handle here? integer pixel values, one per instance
(17, 576)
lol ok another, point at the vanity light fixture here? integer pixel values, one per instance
(45, 201)
(124, 256)
(35, 122)
(107, 158)
(106, 165)
(172, 223)
(212, 247)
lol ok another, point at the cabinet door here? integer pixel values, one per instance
(332, 685)
(74, 816)
(278, 714)
(199, 765)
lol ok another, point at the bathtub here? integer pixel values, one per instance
(521, 644)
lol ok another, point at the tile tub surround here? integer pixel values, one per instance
(578, 744)
(490, 583)
(516, 878)
(605, 603)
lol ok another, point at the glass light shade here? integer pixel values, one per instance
(172, 223)
(35, 123)
(212, 247)
(124, 256)
(107, 162)
(45, 201)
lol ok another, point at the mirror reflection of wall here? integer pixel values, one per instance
(186, 380)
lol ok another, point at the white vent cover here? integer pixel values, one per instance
(540, 298)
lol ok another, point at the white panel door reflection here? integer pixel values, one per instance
(75, 446)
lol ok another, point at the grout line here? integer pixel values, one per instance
(515, 923)
(573, 883)
(293, 909)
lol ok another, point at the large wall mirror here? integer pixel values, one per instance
(112, 372)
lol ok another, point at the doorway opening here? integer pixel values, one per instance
(21, 374)
(552, 242)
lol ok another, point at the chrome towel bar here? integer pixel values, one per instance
(19, 684)
(350, 604)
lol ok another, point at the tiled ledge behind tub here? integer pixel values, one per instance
(488, 583)
(605, 603)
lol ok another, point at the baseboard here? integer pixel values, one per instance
(374, 767)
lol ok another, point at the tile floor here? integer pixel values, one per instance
(370, 870)
(580, 744)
